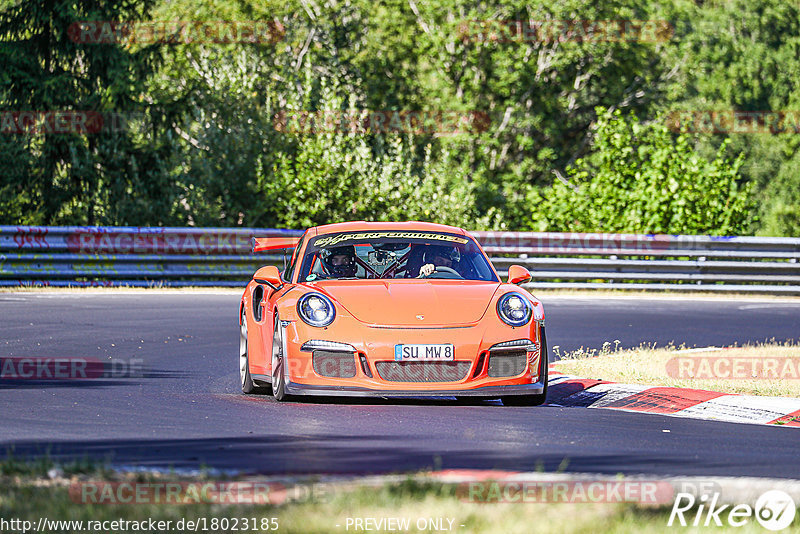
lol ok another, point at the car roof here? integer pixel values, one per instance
(355, 226)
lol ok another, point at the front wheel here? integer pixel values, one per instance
(278, 362)
(539, 399)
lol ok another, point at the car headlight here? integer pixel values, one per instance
(316, 309)
(514, 309)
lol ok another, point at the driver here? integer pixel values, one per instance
(438, 256)
(341, 262)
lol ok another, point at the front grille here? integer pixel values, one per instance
(507, 363)
(422, 371)
(334, 364)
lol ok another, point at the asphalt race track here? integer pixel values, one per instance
(185, 410)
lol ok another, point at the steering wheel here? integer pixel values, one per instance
(443, 269)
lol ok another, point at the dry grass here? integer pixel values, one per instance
(25, 498)
(438, 502)
(649, 365)
(30, 490)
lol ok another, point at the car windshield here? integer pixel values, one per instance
(394, 254)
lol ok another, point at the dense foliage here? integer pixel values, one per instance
(580, 133)
(641, 178)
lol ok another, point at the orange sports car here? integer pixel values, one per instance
(390, 309)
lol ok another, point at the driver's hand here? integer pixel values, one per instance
(426, 270)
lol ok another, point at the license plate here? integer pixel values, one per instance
(444, 352)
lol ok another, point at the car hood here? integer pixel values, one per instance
(417, 303)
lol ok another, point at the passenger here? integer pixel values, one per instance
(341, 262)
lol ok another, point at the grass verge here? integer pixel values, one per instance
(29, 495)
(765, 369)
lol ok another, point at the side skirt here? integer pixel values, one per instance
(261, 379)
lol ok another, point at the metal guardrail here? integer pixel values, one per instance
(145, 256)
(686, 246)
(81, 256)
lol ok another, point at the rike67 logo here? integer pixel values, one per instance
(774, 510)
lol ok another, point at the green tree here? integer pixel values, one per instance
(212, 155)
(541, 89)
(110, 176)
(643, 178)
(234, 167)
(743, 55)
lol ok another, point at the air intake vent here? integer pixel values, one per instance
(507, 363)
(479, 365)
(334, 364)
(422, 371)
(365, 366)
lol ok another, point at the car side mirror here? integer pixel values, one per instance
(270, 276)
(517, 274)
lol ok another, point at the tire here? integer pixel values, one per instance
(278, 362)
(246, 381)
(541, 398)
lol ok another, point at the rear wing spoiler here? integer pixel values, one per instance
(262, 244)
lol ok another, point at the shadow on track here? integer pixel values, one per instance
(322, 454)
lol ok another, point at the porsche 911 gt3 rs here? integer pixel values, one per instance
(390, 309)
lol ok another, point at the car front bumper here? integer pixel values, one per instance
(489, 392)
(375, 345)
